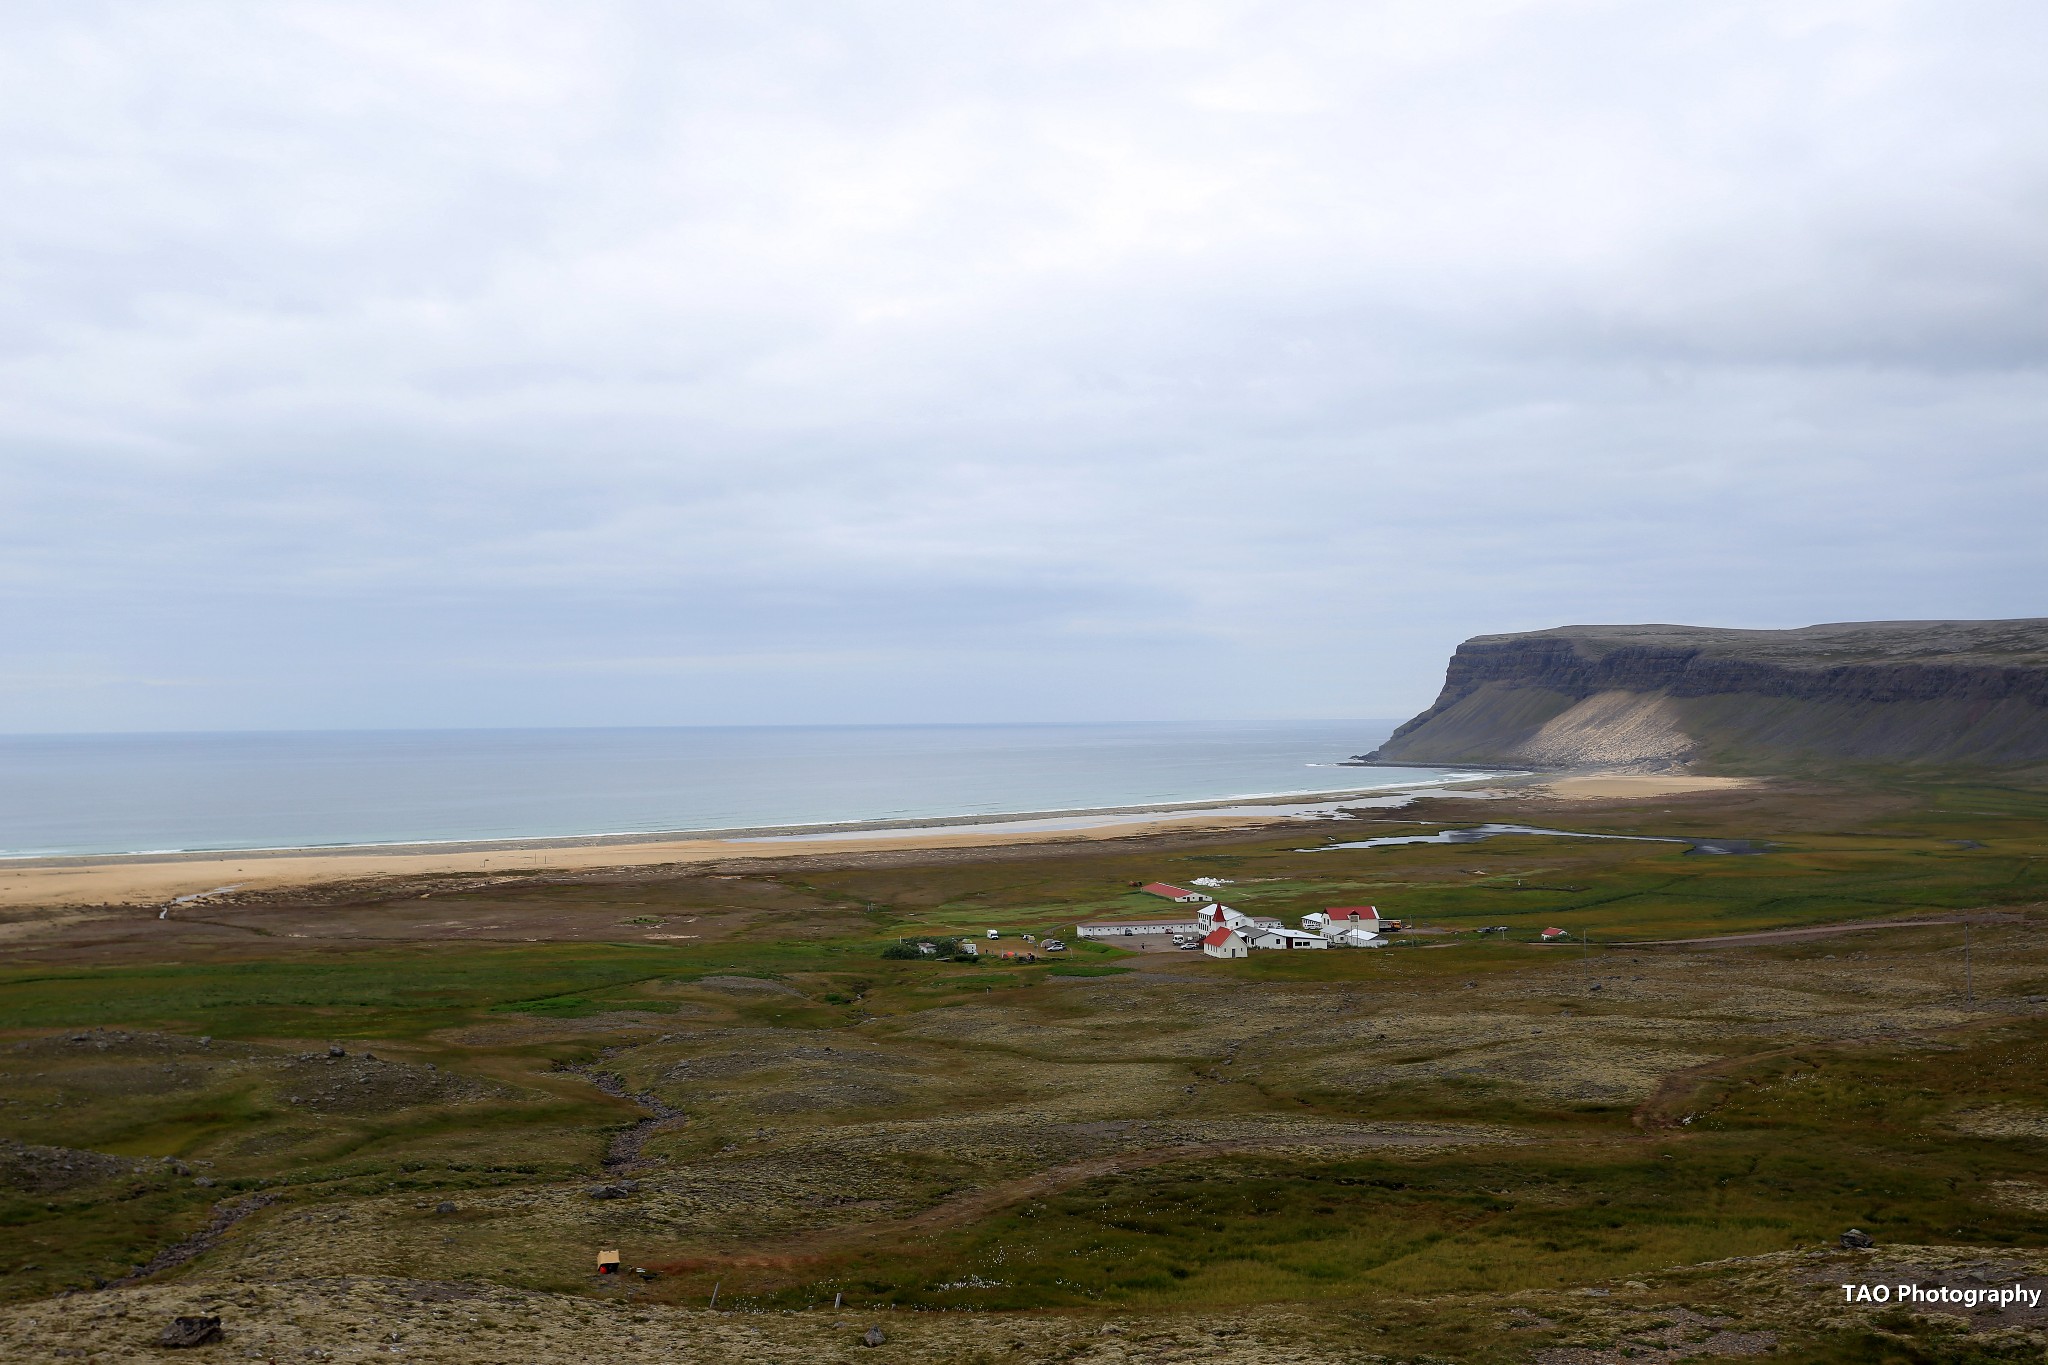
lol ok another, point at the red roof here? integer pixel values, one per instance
(1553, 933)
(1218, 937)
(1353, 912)
(1172, 893)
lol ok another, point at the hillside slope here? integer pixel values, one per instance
(1665, 697)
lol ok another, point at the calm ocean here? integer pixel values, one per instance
(82, 794)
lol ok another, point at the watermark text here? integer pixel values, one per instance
(2003, 1296)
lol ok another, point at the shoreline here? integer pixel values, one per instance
(523, 842)
(183, 883)
(185, 887)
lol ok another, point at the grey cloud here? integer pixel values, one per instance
(369, 363)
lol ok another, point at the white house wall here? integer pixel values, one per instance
(1134, 929)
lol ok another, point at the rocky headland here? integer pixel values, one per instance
(1662, 697)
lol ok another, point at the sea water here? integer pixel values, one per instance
(96, 794)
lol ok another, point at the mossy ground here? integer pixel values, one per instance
(1424, 1151)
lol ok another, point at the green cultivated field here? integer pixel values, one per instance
(1475, 1126)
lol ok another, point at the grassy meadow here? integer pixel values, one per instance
(1462, 1121)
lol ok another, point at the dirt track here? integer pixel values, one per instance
(1817, 931)
(981, 1203)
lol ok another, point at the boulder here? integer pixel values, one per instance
(445, 1206)
(872, 1337)
(1856, 1239)
(190, 1331)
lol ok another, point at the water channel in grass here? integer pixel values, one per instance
(1474, 835)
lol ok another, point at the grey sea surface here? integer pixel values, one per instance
(110, 794)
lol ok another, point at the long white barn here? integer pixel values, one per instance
(1132, 928)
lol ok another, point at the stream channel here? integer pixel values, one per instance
(1473, 836)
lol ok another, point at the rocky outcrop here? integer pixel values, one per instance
(1667, 697)
(190, 1331)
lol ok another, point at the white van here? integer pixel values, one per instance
(995, 933)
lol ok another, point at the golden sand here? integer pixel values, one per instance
(139, 881)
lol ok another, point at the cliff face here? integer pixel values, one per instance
(1969, 692)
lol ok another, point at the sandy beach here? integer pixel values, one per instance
(137, 879)
(133, 880)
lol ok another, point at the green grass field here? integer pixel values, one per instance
(1455, 1118)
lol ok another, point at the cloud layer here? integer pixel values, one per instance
(377, 364)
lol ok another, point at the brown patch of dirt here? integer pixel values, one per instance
(1821, 931)
(505, 910)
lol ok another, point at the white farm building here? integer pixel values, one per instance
(1230, 933)
(1226, 943)
(1178, 894)
(1132, 928)
(1262, 936)
(1223, 917)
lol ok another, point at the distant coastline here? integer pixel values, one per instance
(851, 828)
(265, 794)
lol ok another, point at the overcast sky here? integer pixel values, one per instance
(596, 364)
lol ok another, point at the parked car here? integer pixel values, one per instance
(995, 933)
(1052, 945)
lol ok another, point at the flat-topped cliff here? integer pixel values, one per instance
(1658, 696)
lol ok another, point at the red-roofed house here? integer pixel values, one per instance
(1226, 943)
(1179, 895)
(1549, 934)
(1339, 918)
(1221, 916)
